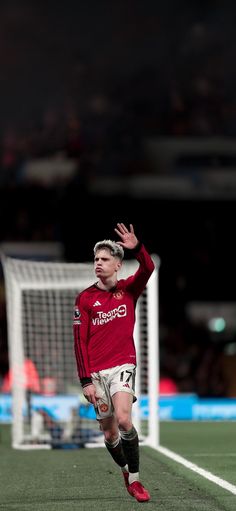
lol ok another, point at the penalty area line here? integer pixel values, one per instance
(204, 473)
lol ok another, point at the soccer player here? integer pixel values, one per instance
(104, 319)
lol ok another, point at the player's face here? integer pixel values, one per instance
(105, 264)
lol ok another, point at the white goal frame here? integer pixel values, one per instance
(27, 275)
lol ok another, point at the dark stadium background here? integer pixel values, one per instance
(91, 83)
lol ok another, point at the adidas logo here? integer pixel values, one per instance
(96, 303)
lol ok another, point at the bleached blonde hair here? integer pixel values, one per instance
(115, 249)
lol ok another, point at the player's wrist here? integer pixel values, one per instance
(137, 247)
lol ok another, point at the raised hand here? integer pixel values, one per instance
(129, 240)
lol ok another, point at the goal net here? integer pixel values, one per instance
(48, 407)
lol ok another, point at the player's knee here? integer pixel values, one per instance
(110, 436)
(110, 433)
(124, 422)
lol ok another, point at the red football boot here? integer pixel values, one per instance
(137, 490)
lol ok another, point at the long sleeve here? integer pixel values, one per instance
(81, 335)
(137, 282)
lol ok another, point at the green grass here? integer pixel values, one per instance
(88, 479)
(211, 445)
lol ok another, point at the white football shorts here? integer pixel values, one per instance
(108, 382)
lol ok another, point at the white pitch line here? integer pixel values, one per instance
(204, 473)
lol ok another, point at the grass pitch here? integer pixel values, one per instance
(88, 479)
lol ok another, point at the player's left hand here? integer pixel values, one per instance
(129, 240)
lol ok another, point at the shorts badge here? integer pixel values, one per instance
(103, 407)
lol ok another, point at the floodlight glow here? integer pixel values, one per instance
(216, 325)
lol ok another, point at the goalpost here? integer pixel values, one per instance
(48, 407)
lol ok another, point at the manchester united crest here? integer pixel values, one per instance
(103, 407)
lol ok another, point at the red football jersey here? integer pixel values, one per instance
(104, 321)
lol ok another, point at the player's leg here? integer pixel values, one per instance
(122, 383)
(108, 423)
(122, 402)
(114, 445)
(122, 389)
